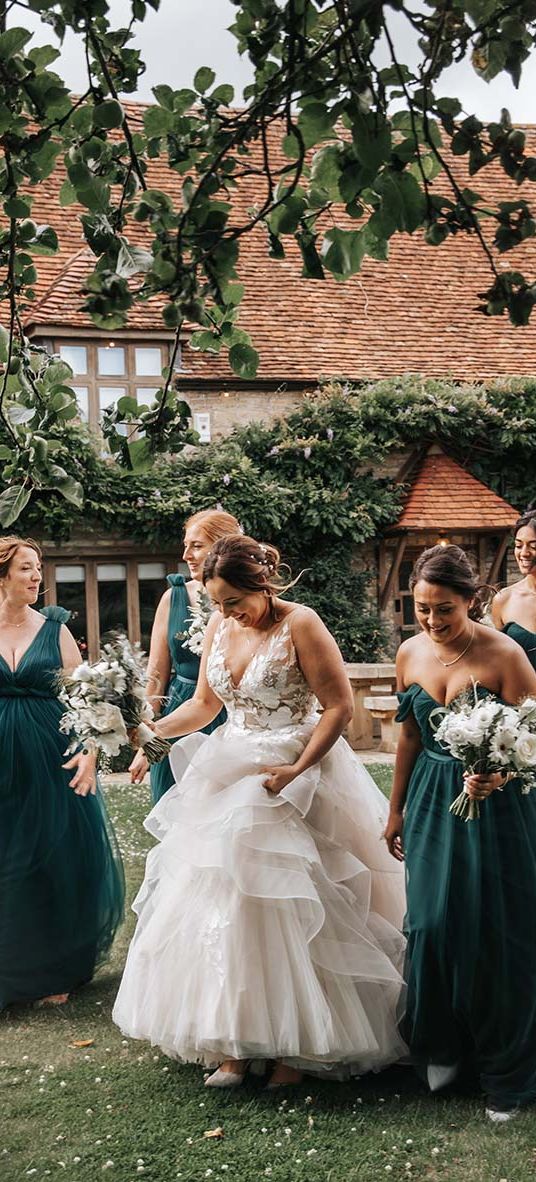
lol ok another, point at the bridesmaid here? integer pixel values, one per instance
(471, 887)
(514, 608)
(61, 879)
(173, 668)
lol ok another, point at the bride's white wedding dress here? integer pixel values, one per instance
(268, 925)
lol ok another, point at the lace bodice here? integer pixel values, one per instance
(272, 693)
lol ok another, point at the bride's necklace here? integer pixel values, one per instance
(446, 664)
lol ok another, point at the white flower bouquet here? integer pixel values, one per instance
(200, 613)
(107, 700)
(488, 736)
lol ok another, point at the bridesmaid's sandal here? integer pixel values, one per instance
(284, 1077)
(227, 1079)
(53, 999)
(500, 1114)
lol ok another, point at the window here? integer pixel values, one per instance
(152, 584)
(75, 356)
(201, 424)
(110, 360)
(82, 400)
(105, 371)
(148, 362)
(112, 594)
(71, 594)
(107, 396)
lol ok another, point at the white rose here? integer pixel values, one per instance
(525, 750)
(527, 710)
(106, 717)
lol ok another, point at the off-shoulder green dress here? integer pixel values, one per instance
(183, 680)
(525, 638)
(61, 878)
(470, 922)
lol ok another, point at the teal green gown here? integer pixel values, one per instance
(470, 923)
(183, 680)
(61, 878)
(526, 639)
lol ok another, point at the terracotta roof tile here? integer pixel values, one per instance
(443, 491)
(415, 313)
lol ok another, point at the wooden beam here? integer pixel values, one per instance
(496, 564)
(92, 609)
(393, 572)
(133, 602)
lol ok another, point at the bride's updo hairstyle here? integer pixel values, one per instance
(449, 566)
(249, 565)
(8, 548)
(527, 518)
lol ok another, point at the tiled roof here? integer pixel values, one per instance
(415, 313)
(442, 491)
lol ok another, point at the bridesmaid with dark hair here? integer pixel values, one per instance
(514, 608)
(471, 888)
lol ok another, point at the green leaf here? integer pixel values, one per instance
(204, 79)
(164, 96)
(108, 114)
(16, 207)
(158, 121)
(244, 360)
(11, 42)
(372, 139)
(223, 94)
(67, 194)
(139, 455)
(286, 218)
(4, 343)
(19, 414)
(326, 169)
(342, 252)
(206, 342)
(71, 490)
(12, 501)
(127, 405)
(46, 241)
(132, 260)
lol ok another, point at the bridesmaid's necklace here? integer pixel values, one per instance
(446, 664)
(9, 624)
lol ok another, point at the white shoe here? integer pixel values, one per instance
(225, 1079)
(501, 1116)
(438, 1077)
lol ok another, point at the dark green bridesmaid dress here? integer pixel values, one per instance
(61, 878)
(470, 923)
(183, 680)
(526, 639)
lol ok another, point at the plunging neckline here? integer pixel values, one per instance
(447, 705)
(14, 671)
(269, 635)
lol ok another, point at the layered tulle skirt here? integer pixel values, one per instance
(268, 925)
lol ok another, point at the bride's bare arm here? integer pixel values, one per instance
(203, 707)
(322, 665)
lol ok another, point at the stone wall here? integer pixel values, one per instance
(232, 408)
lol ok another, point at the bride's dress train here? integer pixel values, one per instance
(268, 925)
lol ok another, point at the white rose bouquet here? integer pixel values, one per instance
(200, 613)
(107, 700)
(488, 736)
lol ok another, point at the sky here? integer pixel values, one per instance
(186, 34)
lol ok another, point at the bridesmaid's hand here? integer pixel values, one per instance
(393, 835)
(84, 781)
(478, 787)
(138, 767)
(277, 778)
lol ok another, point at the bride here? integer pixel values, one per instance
(269, 917)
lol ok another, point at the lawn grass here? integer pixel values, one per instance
(120, 1111)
